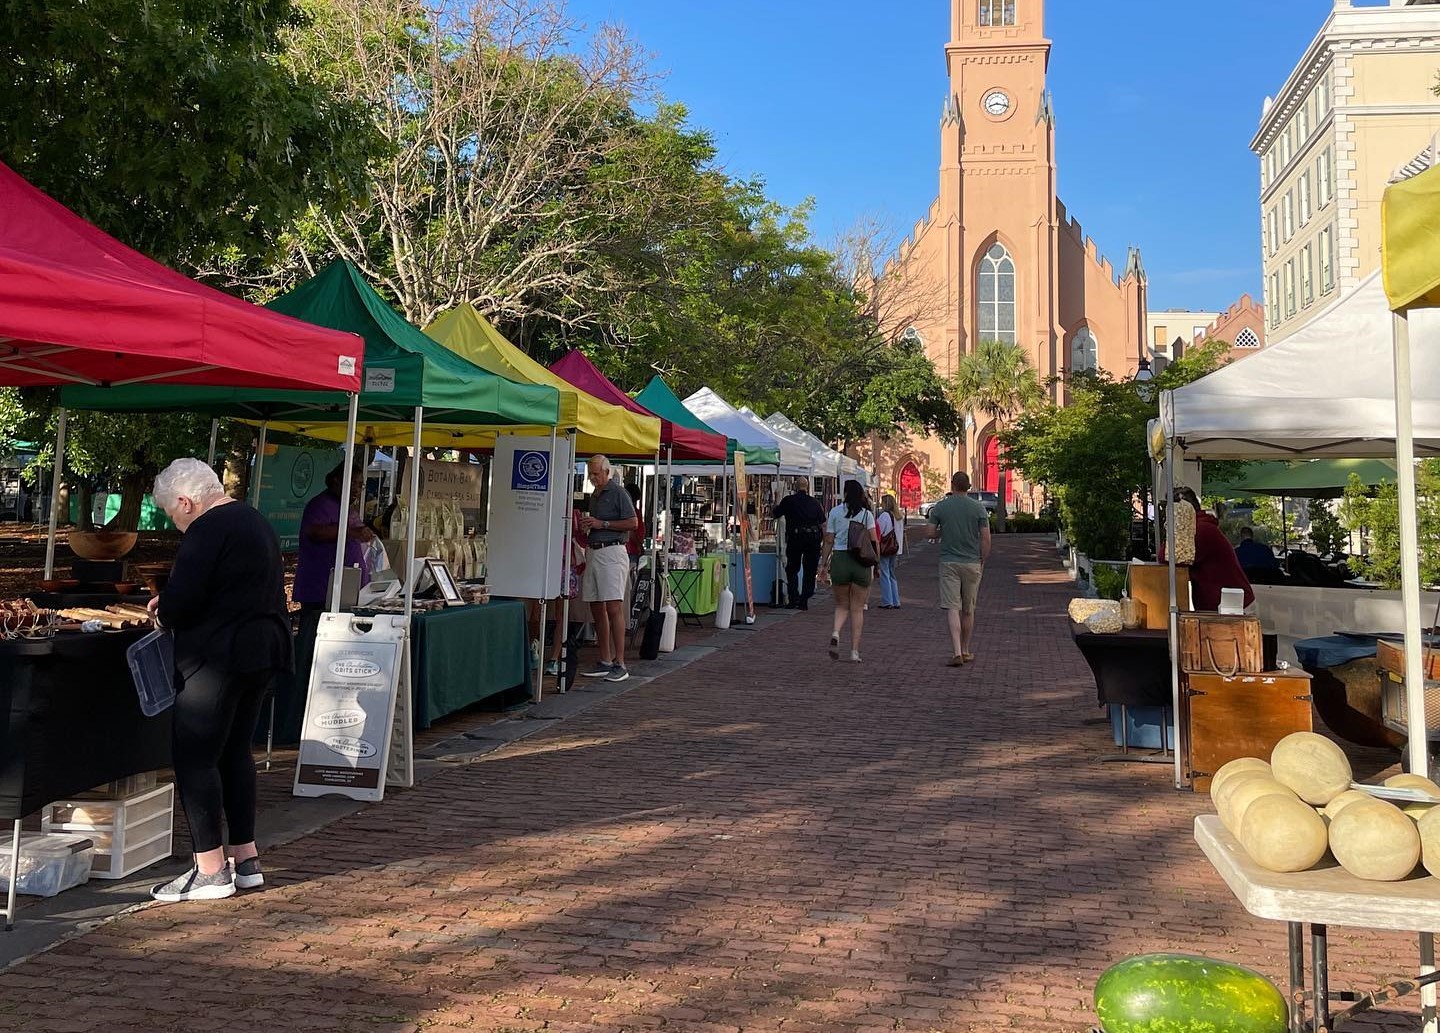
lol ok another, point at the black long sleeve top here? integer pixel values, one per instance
(225, 600)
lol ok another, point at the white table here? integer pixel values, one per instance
(1322, 897)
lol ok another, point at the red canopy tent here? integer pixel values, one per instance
(688, 443)
(79, 307)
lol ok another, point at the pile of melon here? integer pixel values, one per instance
(1288, 811)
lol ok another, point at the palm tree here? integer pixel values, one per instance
(996, 379)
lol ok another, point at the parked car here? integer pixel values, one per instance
(925, 507)
(988, 499)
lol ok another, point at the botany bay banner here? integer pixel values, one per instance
(350, 708)
(742, 498)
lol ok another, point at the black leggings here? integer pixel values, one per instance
(216, 713)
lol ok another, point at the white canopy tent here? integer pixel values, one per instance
(746, 429)
(829, 462)
(1327, 390)
(1330, 389)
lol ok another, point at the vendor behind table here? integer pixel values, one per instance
(319, 527)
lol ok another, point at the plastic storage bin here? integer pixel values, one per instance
(49, 863)
(128, 834)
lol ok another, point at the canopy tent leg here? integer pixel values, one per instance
(1174, 612)
(1284, 526)
(655, 536)
(343, 531)
(259, 466)
(412, 518)
(566, 660)
(214, 439)
(1418, 750)
(537, 685)
(56, 469)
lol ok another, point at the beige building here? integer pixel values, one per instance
(1359, 105)
(1164, 330)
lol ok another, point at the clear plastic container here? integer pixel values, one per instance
(152, 667)
(49, 863)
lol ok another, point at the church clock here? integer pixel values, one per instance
(996, 103)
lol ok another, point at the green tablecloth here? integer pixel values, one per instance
(697, 592)
(464, 654)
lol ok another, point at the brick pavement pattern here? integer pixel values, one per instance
(766, 840)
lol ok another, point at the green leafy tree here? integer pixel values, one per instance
(997, 380)
(1377, 517)
(1091, 454)
(1327, 534)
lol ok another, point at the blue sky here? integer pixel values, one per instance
(841, 100)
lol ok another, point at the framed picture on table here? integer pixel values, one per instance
(444, 582)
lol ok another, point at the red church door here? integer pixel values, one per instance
(912, 488)
(996, 480)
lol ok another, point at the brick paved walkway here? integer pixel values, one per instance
(765, 840)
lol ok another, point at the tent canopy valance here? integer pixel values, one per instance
(688, 443)
(665, 403)
(404, 369)
(1289, 399)
(830, 460)
(752, 438)
(79, 307)
(600, 427)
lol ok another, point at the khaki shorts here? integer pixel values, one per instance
(607, 574)
(959, 586)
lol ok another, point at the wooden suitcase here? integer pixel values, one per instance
(1150, 584)
(1222, 719)
(1221, 644)
(1391, 657)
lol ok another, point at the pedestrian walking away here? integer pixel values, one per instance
(892, 530)
(607, 566)
(962, 526)
(847, 567)
(225, 603)
(804, 534)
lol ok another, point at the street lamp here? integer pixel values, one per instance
(1145, 381)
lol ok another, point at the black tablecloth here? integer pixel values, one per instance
(72, 720)
(1130, 667)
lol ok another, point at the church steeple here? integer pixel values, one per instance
(996, 20)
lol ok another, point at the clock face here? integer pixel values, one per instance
(996, 103)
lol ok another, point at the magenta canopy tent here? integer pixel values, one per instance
(689, 443)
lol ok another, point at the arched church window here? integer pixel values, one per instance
(996, 294)
(1084, 351)
(1247, 338)
(997, 12)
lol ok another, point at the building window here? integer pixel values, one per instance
(1307, 276)
(1270, 164)
(1302, 123)
(997, 295)
(1084, 351)
(1272, 301)
(1324, 99)
(1289, 288)
(1247, 338)
(1306, 209)
(1159, 339)
(1325, 176)
(1327, 260)
(1199, 332)
(1287, 209)
(1272, 230)
(997, 12)
(1285, 147)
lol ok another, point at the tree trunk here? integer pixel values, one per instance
(132, 494)
(84, 506)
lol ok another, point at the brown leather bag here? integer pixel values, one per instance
(862, 544)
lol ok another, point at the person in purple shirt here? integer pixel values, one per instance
(319, 527)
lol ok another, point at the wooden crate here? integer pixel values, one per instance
(1150, 584)
(1221, 644)
(1391, 657)
(1222, 719)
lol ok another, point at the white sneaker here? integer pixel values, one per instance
(195, 886)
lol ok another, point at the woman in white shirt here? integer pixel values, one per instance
(889, 523)
(848, 576)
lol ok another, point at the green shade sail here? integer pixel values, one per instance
(1317, 479)
(403, 369)
(663, 402)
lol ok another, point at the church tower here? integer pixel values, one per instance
(1002, 257)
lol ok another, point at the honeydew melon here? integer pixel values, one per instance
(1375, 841)
(1316, 768)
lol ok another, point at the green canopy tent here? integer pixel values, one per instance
(1317, 479)
(407, 376)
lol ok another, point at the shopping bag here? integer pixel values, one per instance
(152, 668)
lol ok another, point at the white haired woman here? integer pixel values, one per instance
(225, 603)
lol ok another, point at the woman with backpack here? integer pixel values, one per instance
(849, 555)
(890, 531)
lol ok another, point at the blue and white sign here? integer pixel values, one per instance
(531, 471)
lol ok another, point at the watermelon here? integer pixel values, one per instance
(1182, 993)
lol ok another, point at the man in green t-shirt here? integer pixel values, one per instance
(963, 528)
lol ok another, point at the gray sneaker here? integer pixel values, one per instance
(248, 875)
(617, 673)
(195, 886)
(600, 670)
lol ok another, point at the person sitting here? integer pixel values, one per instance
(1254, 555)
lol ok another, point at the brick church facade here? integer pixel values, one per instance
(998, 252)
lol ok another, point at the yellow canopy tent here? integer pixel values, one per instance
(1410, 262)
(599, 426)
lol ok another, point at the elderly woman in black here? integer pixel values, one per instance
(225, 603)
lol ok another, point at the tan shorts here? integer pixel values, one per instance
(607, 574)
(959, 586)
